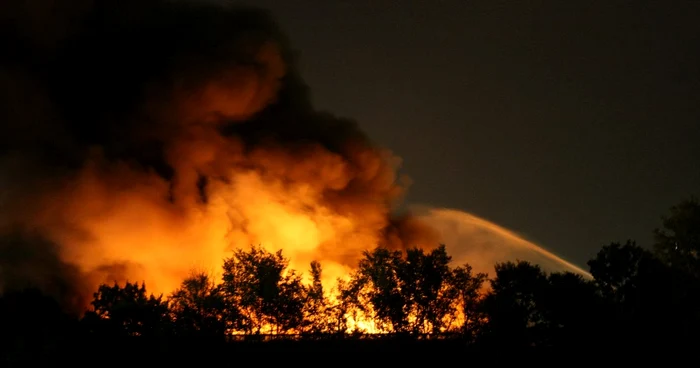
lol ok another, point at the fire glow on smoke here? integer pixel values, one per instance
(158, 136)
(145, 139)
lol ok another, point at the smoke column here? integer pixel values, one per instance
(142, 139)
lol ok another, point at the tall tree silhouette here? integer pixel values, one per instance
(616, 269)
(376, 285)
(677, 242)
(317, 312)
(342, 307)
(637, 287)
(425, 289)
(466, 293)
(514, 305)
(269, 296)
(199, 310)
(572, 308)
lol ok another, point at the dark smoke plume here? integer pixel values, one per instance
(130, 128)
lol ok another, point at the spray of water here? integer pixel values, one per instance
(481, 243)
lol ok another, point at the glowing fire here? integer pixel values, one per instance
(161, 242)
(119, 219)
(143, 173)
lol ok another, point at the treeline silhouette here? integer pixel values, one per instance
(638, 299)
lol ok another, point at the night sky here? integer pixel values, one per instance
(572, 123)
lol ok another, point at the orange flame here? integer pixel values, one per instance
(118, 219)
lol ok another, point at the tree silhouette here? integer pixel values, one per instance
(199, 310)
(343, 307)
(637, 288)
(514, 304)
(317, 312)
(267, 296)
(677, 243)
(465, 291)
(417, 292)
(638, 299)
(616, 269)
(128, 311)
(426, 289)
(572, 308)
(376, 286)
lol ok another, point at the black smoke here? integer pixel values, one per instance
(128, 81)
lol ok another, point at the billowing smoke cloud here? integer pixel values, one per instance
(143, 138)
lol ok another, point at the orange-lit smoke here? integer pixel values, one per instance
(120, 216)
(215, 148)
(157, 143)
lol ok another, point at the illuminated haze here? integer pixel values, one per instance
(147, 139)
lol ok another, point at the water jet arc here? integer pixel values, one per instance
(482, 243)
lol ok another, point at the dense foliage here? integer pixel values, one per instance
(637, 298)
